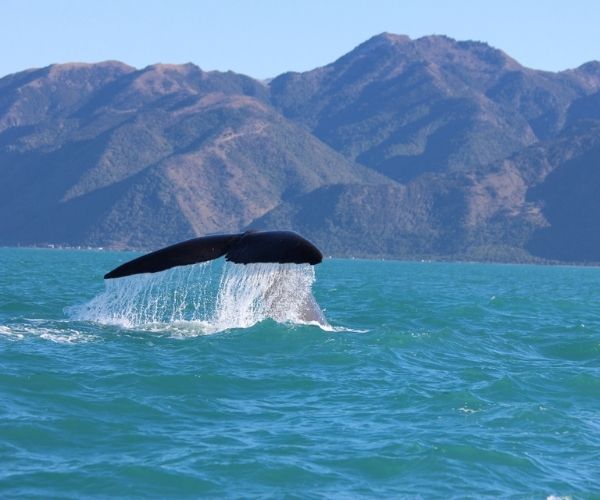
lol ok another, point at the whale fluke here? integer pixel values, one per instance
(283, 247)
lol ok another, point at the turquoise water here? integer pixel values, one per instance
(432, 380)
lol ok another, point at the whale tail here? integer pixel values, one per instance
(283, 247)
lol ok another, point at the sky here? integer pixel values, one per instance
(264, 38)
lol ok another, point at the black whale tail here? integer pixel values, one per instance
(283, 247)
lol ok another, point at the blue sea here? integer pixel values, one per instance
(420, 380)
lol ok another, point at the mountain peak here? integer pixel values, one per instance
(64, 68)
(588, 74)
(173, 68)
(591, 68)
(436, 39)
(447, 48)
(387, 37)
(437, 49)
(382, 40)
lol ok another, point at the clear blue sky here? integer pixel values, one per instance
(263, 38)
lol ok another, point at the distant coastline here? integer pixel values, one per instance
(428, 260)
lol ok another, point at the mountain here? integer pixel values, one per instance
(427, 148)
(405, 107)
(538, 205)
(107, 155)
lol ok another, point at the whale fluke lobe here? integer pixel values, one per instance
(283, 247)
(181, 254)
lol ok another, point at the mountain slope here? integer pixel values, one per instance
(405, 107)
(537, 205)
(153, 156)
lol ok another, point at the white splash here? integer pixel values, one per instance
(249, 294)
(237, 297)
(36, 328)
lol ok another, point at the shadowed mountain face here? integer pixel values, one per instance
(570, 200)
(427, 148)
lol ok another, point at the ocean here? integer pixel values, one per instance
(425, 380)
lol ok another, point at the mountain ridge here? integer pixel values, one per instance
(401, 148)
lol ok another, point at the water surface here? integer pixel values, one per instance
(432, 380)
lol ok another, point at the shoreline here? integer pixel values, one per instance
(534, 261)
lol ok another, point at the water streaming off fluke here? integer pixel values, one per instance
(214, 295)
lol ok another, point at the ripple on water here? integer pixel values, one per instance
(424, 387)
